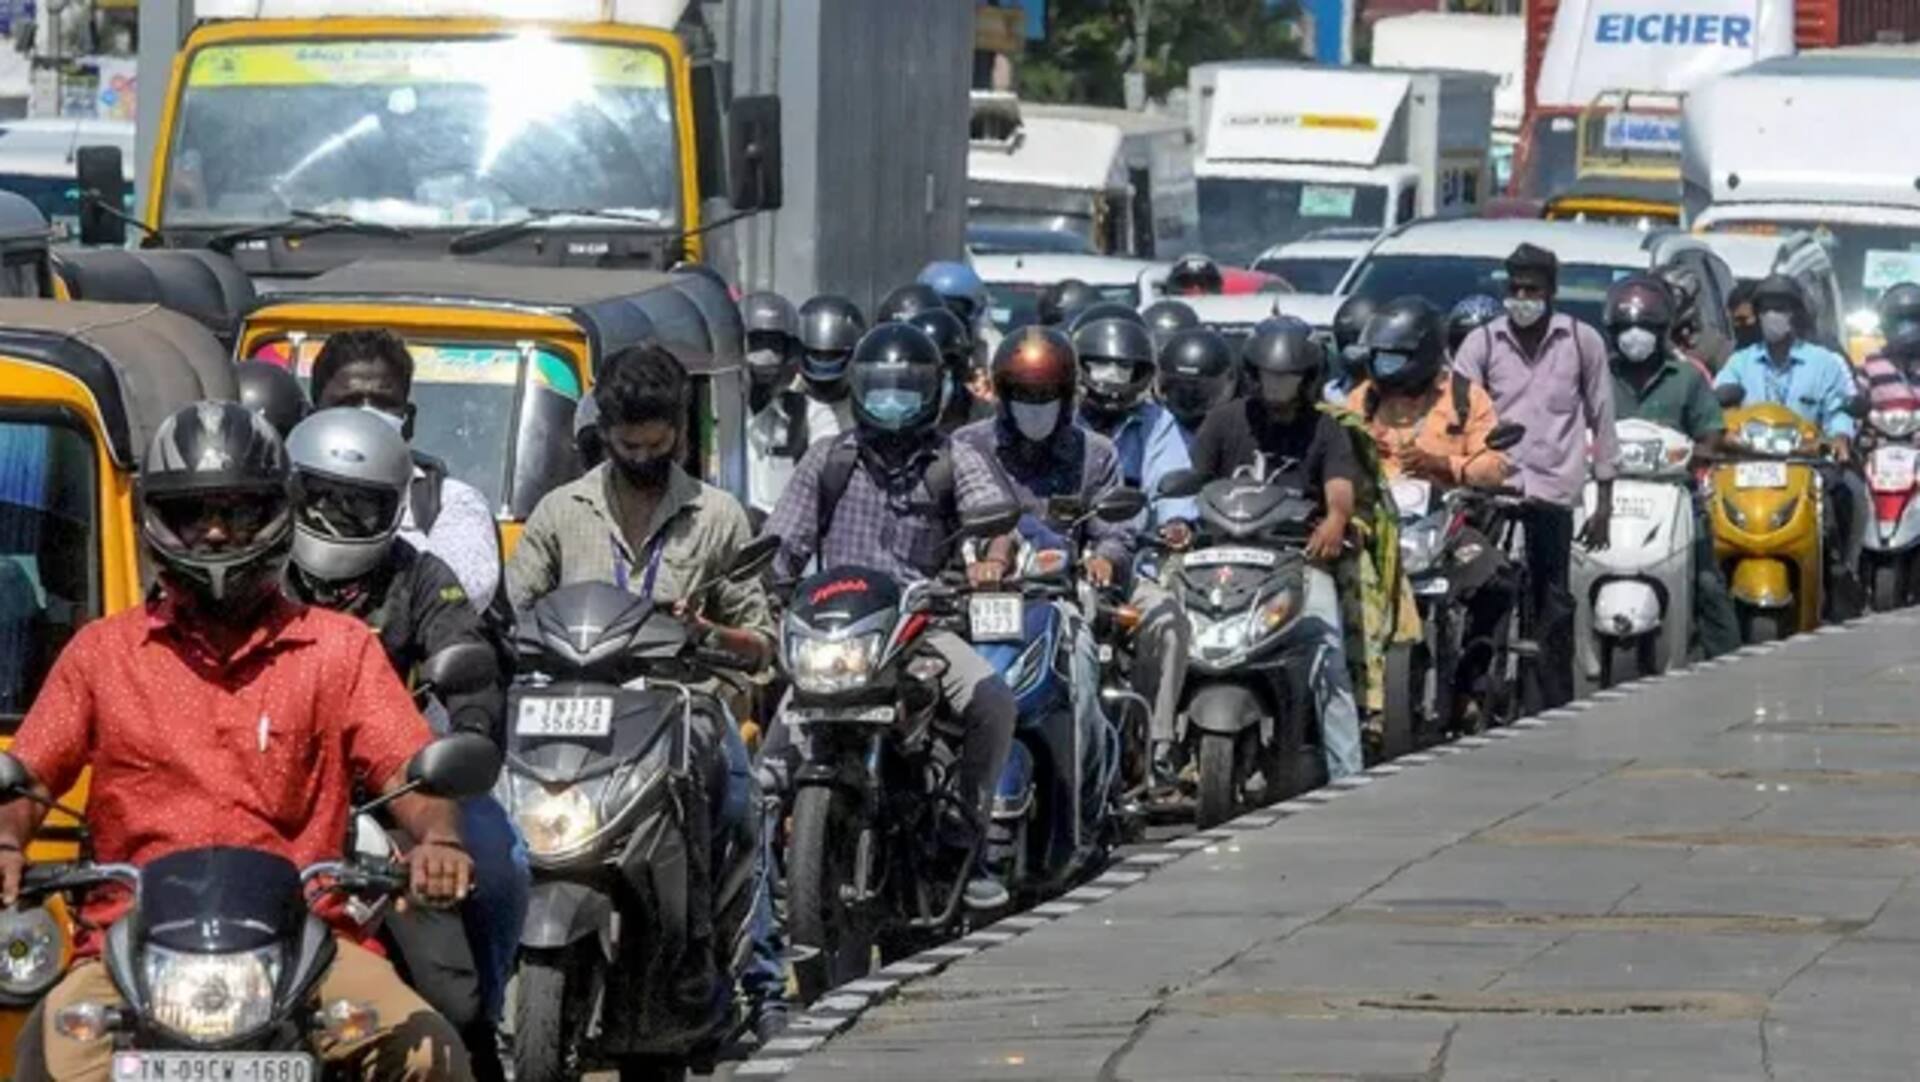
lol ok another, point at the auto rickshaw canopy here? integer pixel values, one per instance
(206, 286)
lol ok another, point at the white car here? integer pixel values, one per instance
(1015, 282)
(1317, 262)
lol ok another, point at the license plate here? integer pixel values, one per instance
(1760, 475)
(1891, 469)
(1632, 507)
(1229, 555)
(1433, 587)
(873, 715)
(212, 1067)
(574, 715)
(996, 618)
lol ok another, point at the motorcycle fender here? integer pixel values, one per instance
(1762, 583)
(560, 914)
(1228, 709)
(1907, 533)
(1626, 608)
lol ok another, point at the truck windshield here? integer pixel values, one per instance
(1867, 259)
(422, 133)
(1445, 279)
(1243, 217)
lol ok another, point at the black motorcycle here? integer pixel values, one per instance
(219, 961)
(638, 921)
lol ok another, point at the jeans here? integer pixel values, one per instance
(1317, 638)
(1549, 544)
(1715, 623)
(1160, 654)
(497, 908)
(765, 978)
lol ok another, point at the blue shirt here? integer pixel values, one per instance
(1816, 383)
(1151, 447)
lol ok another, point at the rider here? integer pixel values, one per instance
(829, 327)
(1117, 367)
(1818, 384)
(1431, 423)
(351, 476)
(1348, 366)
(1168, 317)
(959, 285)
(772, 330)
(908, 301)
(1197, 373)
(886, 496)
(1063, 300)
(641, 522)
(167, 703)
(959, 403)
(1652, 382)
(1690, 339)
(274, 393)
(371, 368)
(1892, 376)
(1195, 276)
(775, 440)
(1279, 421)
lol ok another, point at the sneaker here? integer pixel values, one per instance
(769, 1021)
(984, 893)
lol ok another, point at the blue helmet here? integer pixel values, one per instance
(960, 286)
(1469, 315)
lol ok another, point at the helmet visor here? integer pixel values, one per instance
(1187, 396)
(346, 512)
(894, 396)
(210, 525)
(825, 365)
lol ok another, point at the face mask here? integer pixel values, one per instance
(1035, 421)
(1776, 326)
(765, 364)
(647, 474)
(1525, 311)
(893, 407)
(396, 421)
(1637, 344)
(1746, 334)
(1108, 373)
(1386, 366)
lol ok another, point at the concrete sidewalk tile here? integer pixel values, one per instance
(871, 987)
(1021, 922)
(789, 1046)
(1087, 894)
(764, 1068)
(1153, 857)
(839, 1001)
(1118, 878)
(1056, 909)
(907, 969)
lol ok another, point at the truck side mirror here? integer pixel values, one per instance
(101, 171)
(753, 152)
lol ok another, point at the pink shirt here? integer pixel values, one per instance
(1564, 396)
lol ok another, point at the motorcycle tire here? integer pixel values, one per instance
(541, 1035)
(1223, 769)
(1888, 592)
(1760, 627)
(651, 1070)
(837, 940)
(1405, 685)
(1621, 664)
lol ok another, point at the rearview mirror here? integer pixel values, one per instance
(1179, 484)
(101, 171)
(15, 779)
(991, 521)
(1730, 395)
(753, 152)
(458, 669)
(1119, 505)
(1506, 435)
(456, 766)
(753, 557)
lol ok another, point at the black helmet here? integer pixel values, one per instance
(948, 333)
(1285, 347)
(1196, 373)
(1402, 341)
(272, 392)
(218, 452)
(1116, 362)
(1471, 313)
(1167, 318)
(1639, 301)
(1781, 290)
(1063, 299)
(908, 300)
(830, 327)
(894, 378)
(1195, 274)
(1351, 319)
(767, 312)
(1683, 282)
(1105, 310)
(1899, 309)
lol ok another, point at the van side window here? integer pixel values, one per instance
(1409, 204)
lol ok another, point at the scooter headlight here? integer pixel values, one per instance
(33, 952)
(1734, 514)
(1420, 546)
(209, 998)
(823, 666)
(1222, 638)
(556, 821)
(1896, 423)
(1785, 514)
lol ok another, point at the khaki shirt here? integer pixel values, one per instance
(573, 536)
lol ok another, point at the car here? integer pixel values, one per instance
(1801, 257)
(1015, 240)
(1015, 282)
(1445, 260)
(1317, 262)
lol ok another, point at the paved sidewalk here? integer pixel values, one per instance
(1710, 878)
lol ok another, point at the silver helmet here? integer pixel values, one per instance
(353, 471)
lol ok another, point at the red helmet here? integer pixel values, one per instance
(1035, 364)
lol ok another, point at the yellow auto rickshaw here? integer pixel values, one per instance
(502, 355)
(206, 286)
(82, 388)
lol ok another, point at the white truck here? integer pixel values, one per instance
(1287, 149)
(1821, 143)
(1122, 181)
(1494, 44)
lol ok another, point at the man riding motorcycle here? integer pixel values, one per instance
(908, 301)
(889, 495)
(270, 768)
(1195, 276)
(1818, 384)
(1348, 365)
(965, 295)
(1892, 375)
(784, 416)
(1652, 381)
(1197, 373)
(274, 393)
(1061, 301)
(829, 327)
(959, 404)
(1166, 318)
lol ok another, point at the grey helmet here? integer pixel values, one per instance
(353, 473)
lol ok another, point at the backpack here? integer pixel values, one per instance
(836, 473)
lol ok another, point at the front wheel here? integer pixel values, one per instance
(540, 1032)
(1406, 684)
(1889, 592)
(1223, 772)
(1760, 626)
(1621, 661)
(832, 930)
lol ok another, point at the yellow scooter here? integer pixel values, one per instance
(1767, 512)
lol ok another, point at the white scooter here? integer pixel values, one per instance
(1635, 597)
(1890, 549)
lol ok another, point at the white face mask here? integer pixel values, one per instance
(1108, 373)
(1776, 326)
(765, 359)
(1525, 311)
(1638, 343)
(1035, 420)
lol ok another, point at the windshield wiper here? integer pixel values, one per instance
(490, 237)
(301, 224)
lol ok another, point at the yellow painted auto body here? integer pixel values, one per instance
(1612, 211)
(679, 75)
(1769, 565)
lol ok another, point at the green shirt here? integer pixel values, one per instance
(1677, 397)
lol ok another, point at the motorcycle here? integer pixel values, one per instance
(219, 962)
(1890, 551)
(638, 920)
(1054, 813)
(1635, 597)
(1766, 511)
(881, 841)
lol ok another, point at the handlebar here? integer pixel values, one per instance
(40, 880)
(362, 880)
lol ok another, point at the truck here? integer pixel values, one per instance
(1578, 50)
(1763, 155)
(1120, 181)
(301, 134)
(1495, 44)
(1288, 149)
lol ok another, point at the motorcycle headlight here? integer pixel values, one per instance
(559, 820)
(33, 951)
(822, 666)
(1420, 547)
(1277, 611)
(1219, 638)
(1896, 423)
(206, 998)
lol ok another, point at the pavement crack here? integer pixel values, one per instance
(1110, 1067)
(1437, 1067)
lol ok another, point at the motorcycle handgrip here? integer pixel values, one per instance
(43, 879)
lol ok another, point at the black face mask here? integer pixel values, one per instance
(1746, 334)
(647, 475)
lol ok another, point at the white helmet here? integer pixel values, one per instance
(352, 473)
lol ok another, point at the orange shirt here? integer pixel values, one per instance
(1432, 431)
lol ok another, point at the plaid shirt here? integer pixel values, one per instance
(1077, 463)
(890, 529)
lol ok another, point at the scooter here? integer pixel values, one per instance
(1766, 512)
(1634, 598)
(1890, 550)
